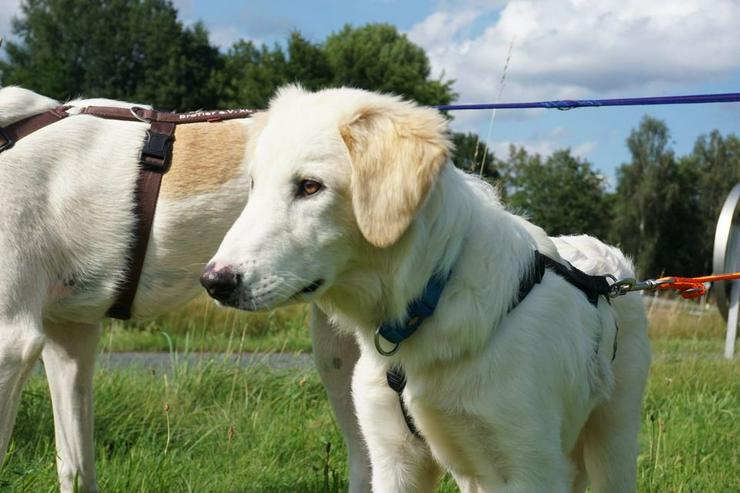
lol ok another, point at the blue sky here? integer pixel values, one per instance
(560, 49)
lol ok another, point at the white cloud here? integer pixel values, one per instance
(225, 36)
(545, 144)
(569, 49)
(580, 48)
(8, 8)
(583, 149)
(185, 8)
(441, 27)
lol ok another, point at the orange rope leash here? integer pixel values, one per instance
(688, 287)
(692, 287)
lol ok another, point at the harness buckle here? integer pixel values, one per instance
(380, 348)
(5, 141)
(155, 156)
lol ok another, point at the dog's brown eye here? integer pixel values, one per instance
(308, 187)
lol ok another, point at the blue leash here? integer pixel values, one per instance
(567, 104)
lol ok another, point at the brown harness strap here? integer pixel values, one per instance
(155, 159)
(16, 131)
(149, 115)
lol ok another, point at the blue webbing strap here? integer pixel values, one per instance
(418, 310)
(732, 97)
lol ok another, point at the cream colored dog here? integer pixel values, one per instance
(66, 199)
(354, 205)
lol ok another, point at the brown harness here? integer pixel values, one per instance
(155, 159)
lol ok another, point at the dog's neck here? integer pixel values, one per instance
(455, 231)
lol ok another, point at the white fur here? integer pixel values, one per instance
(526, 400)
(66, 196)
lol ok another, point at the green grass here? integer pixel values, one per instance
(207, 428)
(690, 427)
(202, 326)
(215, 428)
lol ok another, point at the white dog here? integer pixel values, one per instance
(354, 205)
(66, 218)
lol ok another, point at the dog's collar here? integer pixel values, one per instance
(417, 312)
(423, 307)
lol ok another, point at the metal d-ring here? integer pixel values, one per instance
(134, 113)
(380, 349)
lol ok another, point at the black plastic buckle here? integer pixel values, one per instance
(5, 141)
(155, 156)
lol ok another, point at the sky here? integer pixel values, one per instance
(559, 49)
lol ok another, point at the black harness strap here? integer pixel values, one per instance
(397, 381)
(591, 286)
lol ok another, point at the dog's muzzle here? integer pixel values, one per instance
(221, 284)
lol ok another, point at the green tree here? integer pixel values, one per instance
(124, 49)
(471, 155)
(717, 163)
(657, 217)
(374, 57)
(562, 194)
(308, 63)
(251, 75)
(379, 58)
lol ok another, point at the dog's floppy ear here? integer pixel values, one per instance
(397, 151)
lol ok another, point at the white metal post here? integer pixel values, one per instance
(732, 319)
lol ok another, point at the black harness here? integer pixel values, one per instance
(591, 286)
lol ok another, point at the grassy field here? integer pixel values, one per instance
(216, 428)
(202, 326)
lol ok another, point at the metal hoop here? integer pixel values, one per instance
(380, 348)
(136, 115)
(723, 247)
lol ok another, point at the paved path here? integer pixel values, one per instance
(278, 361)
(142, 360)
(275, 361)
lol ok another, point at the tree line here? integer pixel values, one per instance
(662, 211)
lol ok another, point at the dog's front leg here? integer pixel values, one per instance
(21, 341)
(401, 462)
(69, 360)
(335, 355)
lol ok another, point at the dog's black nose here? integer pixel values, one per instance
(220, 283)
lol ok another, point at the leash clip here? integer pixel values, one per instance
(380, 348)
(629, 284)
